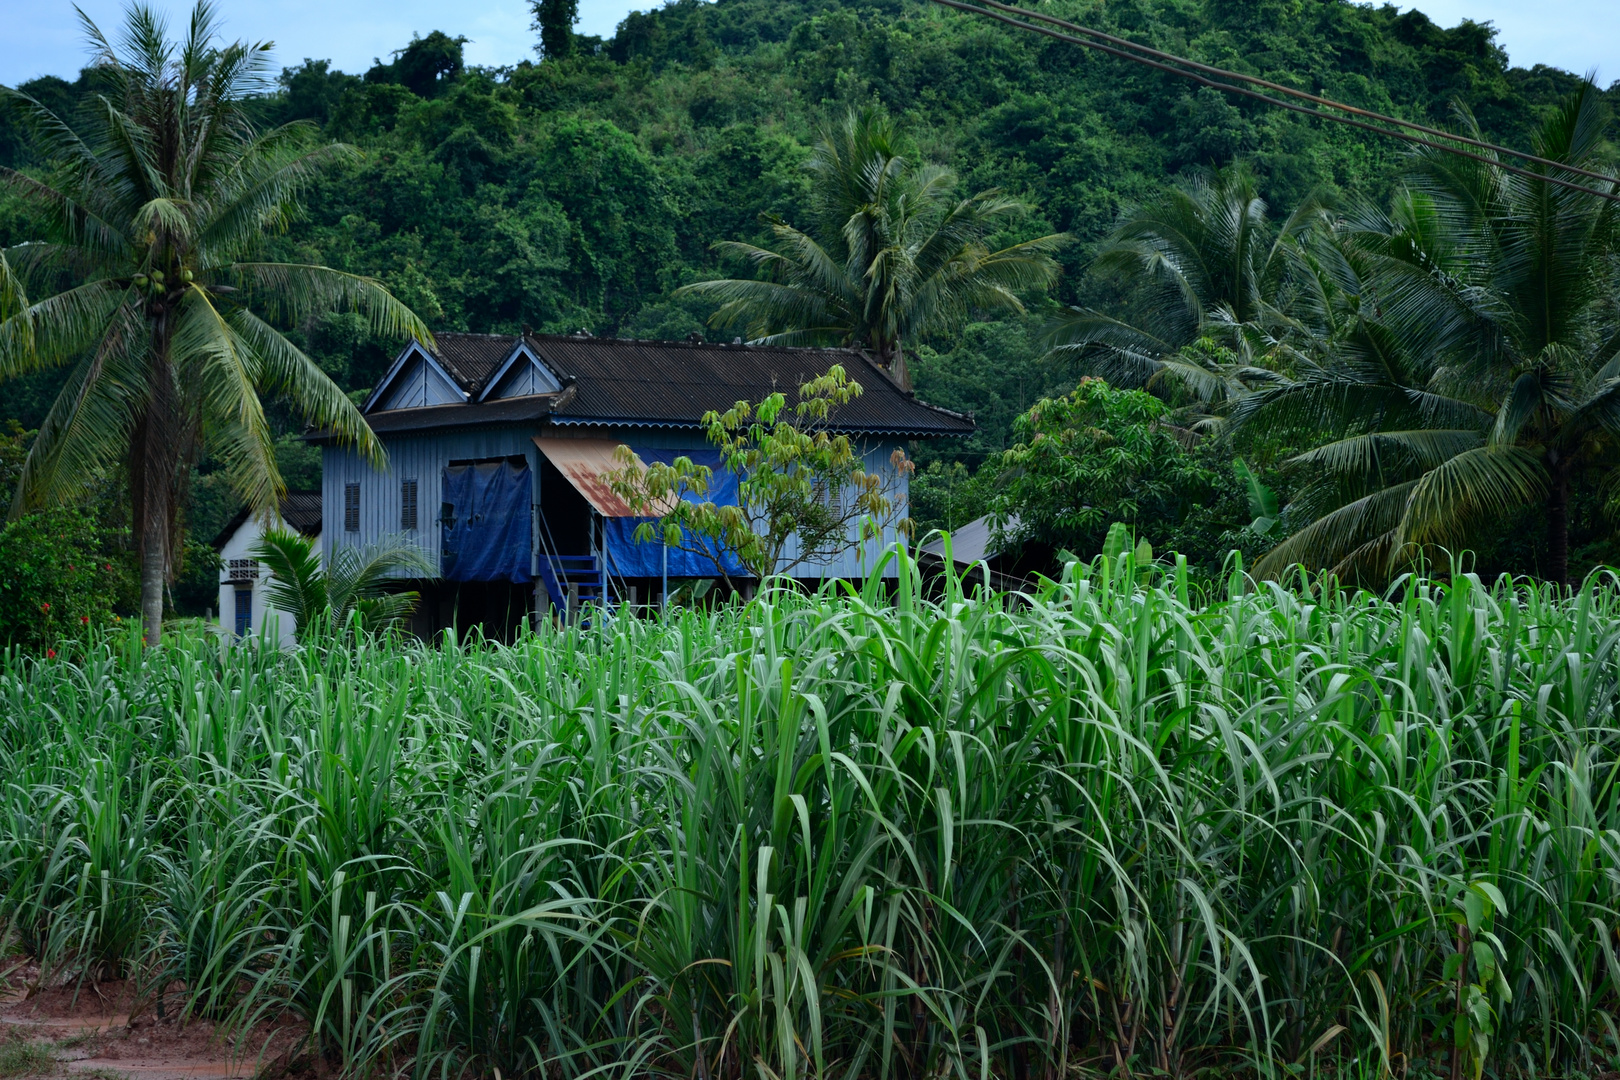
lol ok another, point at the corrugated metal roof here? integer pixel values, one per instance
(587, 464)
(674, 383)
(616, 382)
(300, 511)
(472, 358)
(971, 543)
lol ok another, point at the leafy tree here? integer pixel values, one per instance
(798, 484)
(1482, 373)
(155, 212)
(324, 599)
(947, 495)
(893, 255)
(424, 67)
(555, 20)
(59, 580)
(1091, 459)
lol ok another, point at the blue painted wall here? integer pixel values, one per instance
(423, 457)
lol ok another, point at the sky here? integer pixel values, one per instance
(41, 37)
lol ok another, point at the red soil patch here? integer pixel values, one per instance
(104, 1028)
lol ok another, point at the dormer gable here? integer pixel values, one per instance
(522, 374)
(416, 381)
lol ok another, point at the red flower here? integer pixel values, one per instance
(109, 566)
(72, 567)
(85, 619)
(50, 654)
(45, 607)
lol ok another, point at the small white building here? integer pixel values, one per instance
(242, 580)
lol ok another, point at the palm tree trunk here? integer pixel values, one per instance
(1558, 526)
(154, 459)
(154, 571)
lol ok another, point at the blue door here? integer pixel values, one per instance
(244, 611)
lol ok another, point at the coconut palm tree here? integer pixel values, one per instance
(1481, 372)
(893, 253)
(1207, 263)
(154, 214)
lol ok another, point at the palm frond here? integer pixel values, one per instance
(220, 371)
(1472, 487)
(284, 369)
(87, 428)
(297, 585)
(1358, 528)
(295, 293)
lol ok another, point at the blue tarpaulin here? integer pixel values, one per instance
(486, 522)
(627, 558)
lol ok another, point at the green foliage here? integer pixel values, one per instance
(994, 371)
(1475, 372)
(1093, 458)
(722, 102)
(354, 591)
(892, 253)
(60, 580)
(25, 1058)
(1213, 283)
(798, 484)
(66, 569)
(424, 67)
(151, 227)
(947, 496)
(555, 20)
(838, 836)
(581, 191)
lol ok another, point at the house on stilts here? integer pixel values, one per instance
(498, 446)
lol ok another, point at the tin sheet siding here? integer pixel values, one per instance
(858, 559)
(424, 458)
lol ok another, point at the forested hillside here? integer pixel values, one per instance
(579, 191)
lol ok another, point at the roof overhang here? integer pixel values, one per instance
(833, 427)
(589, 465)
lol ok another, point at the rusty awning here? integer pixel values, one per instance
(587, 463)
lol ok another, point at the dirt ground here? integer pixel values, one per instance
(102, 1031)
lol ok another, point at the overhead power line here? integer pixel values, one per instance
(1196, 72)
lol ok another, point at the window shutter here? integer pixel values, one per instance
(407, 504)
(351, 507)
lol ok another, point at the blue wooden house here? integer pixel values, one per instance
(497, 446)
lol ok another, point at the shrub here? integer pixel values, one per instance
(62, 577)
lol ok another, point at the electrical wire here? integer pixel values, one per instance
(1244, 91)
(1255, 80)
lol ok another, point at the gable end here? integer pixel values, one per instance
(415, 381)
(521, 375)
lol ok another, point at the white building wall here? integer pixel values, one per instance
(254, 581)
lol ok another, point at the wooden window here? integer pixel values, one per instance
(407, 504)
(351, 507)
(828, 495)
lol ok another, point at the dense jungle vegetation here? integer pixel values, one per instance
(581, 190)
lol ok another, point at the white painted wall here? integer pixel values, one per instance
(263, 620)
